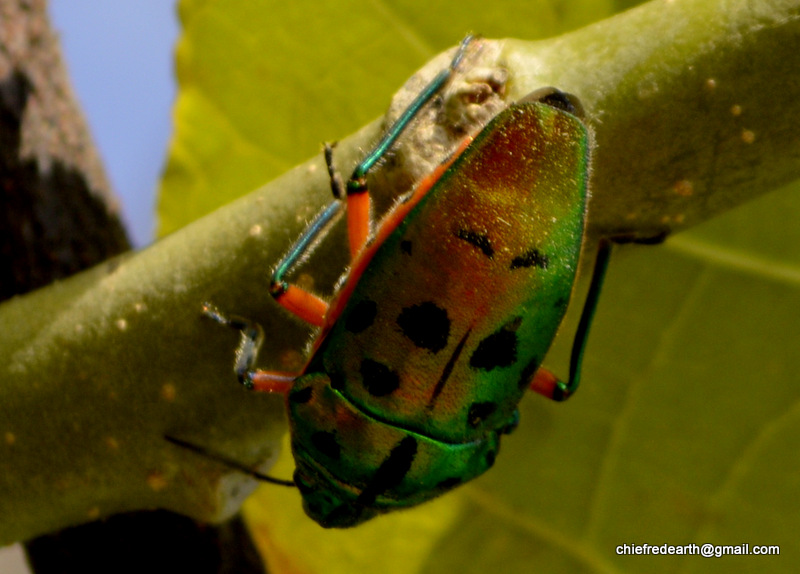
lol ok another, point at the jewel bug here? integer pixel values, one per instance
(447, 310)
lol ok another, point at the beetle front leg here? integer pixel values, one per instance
(294, 299)
(306, 305)
(252, 335)
(358, 200)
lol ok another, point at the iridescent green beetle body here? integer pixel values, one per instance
(456, 309)
(444, 317)
(450, 319)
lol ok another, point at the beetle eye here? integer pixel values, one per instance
(555, 98)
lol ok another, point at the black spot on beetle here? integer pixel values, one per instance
(560, 303)
(531, 258)
(497, 350)
(378, 379)
(391, 472)
(479, 240)
(362, 316)
(301, 396)
(448, 368)
(405, 246)
(426, 325)
(479, 412)
(326, 443)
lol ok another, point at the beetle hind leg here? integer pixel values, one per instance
(546, 383)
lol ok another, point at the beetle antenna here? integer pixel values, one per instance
(228, 462)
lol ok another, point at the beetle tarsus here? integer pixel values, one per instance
(252, 335)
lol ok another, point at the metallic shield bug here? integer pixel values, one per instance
(443, 320)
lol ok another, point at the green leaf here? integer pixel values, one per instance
(264, 83)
